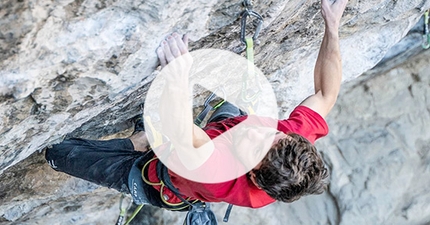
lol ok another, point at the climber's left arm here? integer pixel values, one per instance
(191, 143)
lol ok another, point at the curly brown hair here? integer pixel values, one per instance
(291, 169)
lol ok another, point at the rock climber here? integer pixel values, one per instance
(292, 167)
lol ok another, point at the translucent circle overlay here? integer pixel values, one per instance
(232, 153)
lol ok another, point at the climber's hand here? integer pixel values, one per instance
(175, 60)
(171, 48)
(332, 12)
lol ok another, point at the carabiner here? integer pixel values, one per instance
(247, 4)
(250, 13)
(122, 211)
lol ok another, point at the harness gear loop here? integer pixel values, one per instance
(426, 35)
(174, 206)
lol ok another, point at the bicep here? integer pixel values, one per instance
(320, 104)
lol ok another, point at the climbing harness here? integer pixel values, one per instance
(158, 140)
(199, 213)
(426, 35)
(197, 210)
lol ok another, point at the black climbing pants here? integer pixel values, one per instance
(106, 163)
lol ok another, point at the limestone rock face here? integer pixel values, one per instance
(83, 67)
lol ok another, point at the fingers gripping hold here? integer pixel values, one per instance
(332, 11)
(173, 47)
(167, 51)
(161, 57)
(182, 43)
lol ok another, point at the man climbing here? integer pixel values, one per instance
(292, 167)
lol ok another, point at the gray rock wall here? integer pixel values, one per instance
(379, 146)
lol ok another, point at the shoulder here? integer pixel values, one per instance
(306, 122)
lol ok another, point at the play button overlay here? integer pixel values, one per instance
(169, 119)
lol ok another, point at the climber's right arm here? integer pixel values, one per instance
(328, 68)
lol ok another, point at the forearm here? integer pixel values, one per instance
(175, 107)
(176, 114)
(328, 68)
(177, 124)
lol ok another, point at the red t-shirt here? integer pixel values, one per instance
(241, 191)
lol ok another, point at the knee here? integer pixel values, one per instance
(56, 155)
(49, 153)
(52, 155)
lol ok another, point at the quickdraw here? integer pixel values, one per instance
(426, 35)
(122, 210)
(250, 97)
(136, 211)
